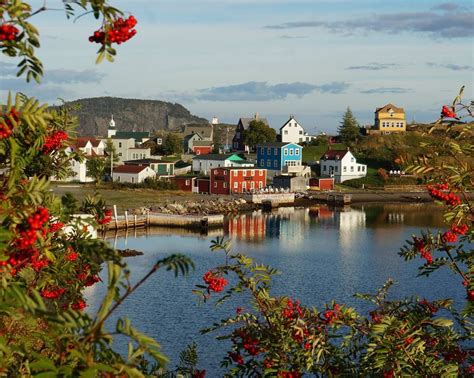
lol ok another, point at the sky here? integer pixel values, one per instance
(234, 58)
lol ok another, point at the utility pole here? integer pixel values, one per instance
(111, 164)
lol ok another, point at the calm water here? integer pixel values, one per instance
(323, 254)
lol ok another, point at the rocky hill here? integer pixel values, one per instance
(130, 115)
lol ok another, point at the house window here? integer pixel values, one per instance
(269, 163)
(344, 169)
(324, 168)
(363, 168)
(285, 152)
(275, 163)
(225, 185)
(261, 173)
(352, 159)
(358, 168)
(245, 173)
(262, 162)
(236, 185)
(260, 185)
(252, 185)
(120, 144)
(286, 132)
(244, 186)
(301, 132)
(252, 172)
(352, 168)
(235, 173)
(133, 180)
(291, 151)
(335, 168)
(120, 154)
(215, 184)
(297, 151)
(225, 172)
(269, 151)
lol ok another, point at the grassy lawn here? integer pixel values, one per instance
(125, 198)
(313, 153)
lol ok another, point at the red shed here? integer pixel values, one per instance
(319, 183)
(203, 185)
(228, 180)
(202, 147)
(185, 183)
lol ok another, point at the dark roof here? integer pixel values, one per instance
(213, 156)
(131, 134)
(334, 154)
(129, 169)
(182, 164)
(246, 121)
(388, 106)
(204, 131)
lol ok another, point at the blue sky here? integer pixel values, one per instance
(232, 58)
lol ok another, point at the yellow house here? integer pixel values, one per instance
(390, 119)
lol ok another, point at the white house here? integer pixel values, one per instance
(341, 165)
(204, 163)
(293, 132)
(89, 147)
(134, 174)
(126, 149)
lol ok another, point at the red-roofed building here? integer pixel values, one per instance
(134, 174)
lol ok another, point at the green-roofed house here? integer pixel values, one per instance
(204, 163)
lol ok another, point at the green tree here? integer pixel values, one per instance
(172, 144)
(96, 168)
(349, 128)
(259, 132)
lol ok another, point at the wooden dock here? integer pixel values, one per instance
(198, 222)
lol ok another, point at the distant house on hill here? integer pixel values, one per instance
(204, 163)
(243, 124)
(389, 119)
(293, 132)
(206, 132)
(341, 165)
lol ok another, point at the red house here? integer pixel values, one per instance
(202, 147)
(229, 180)
(185, 183)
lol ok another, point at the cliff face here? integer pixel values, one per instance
(130, 115)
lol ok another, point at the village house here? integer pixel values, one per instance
(277, 155)
(133, 174)
(341, 165)
(293, 132)
(160, 167)
(186, 183)
(230, 180)
(127, 149)
(202, 147)
(89, 147)
(389, 119)
(243, 124)
(204, 163)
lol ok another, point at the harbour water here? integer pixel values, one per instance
(322, 253)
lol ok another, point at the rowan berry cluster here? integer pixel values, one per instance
(52, 293)
(120, 31)
(215, 283)
(289, 374)
(54, 141)
(8, 32)
(424, 250)
(451, 236)
(448, 112)
(79, 305)
(6, 127)
(438, 192)
(107, 218)
(292, 310)
(55, 227)
(331, 315)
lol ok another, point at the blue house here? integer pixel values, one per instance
(274, 156)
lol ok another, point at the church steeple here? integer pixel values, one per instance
(111, 130)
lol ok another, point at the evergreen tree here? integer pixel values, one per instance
(349, 128)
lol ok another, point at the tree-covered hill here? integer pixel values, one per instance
(130, 114)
